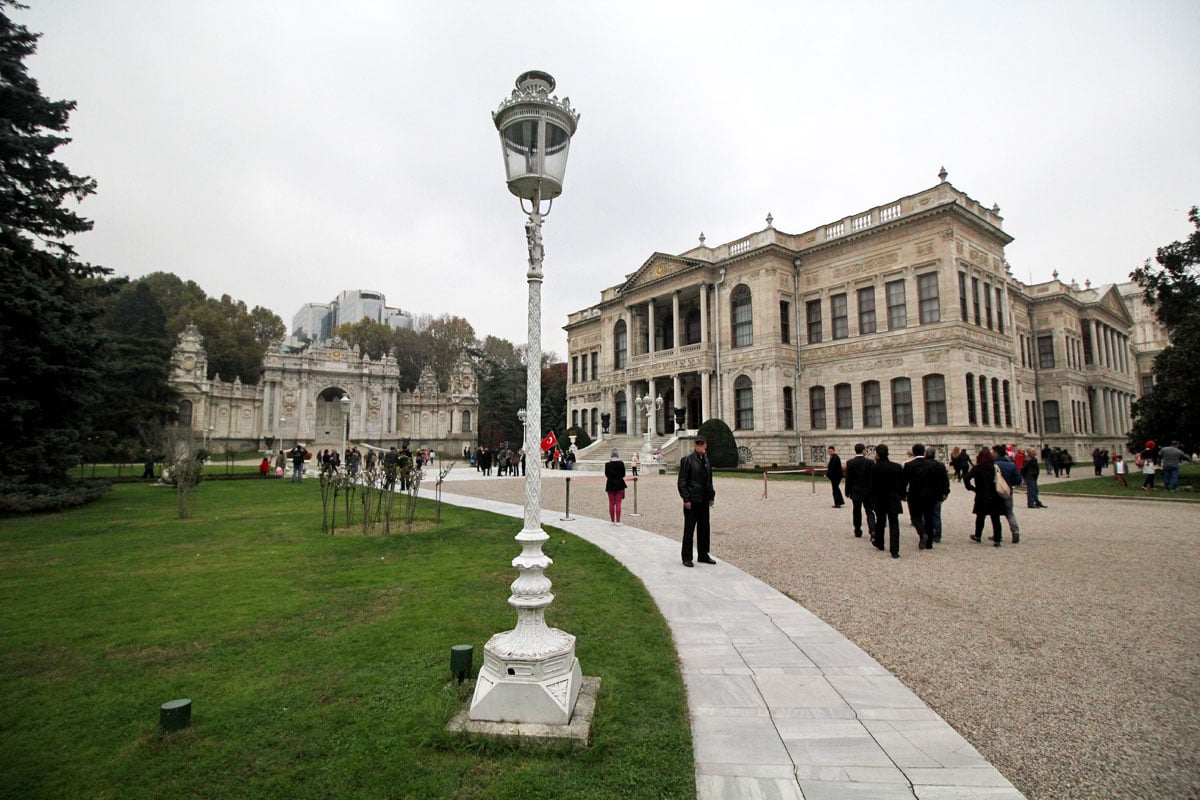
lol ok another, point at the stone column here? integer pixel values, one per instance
(650, 326)
(675, 325)
(675, 398)
(705, 400)
(630, 411)
(650, 395)
(704, 313)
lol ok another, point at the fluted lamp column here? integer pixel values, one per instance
(530, 674)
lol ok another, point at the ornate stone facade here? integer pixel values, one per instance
(898, 324)
(297, 399)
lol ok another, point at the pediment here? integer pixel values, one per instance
(1110, 300)
(658, 267)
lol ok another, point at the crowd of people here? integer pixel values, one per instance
(878, 488)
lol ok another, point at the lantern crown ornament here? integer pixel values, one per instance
(535, 134)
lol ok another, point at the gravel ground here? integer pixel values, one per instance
(1071, 661)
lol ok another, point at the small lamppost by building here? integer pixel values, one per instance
(530, 674)
(345, 404)
(649, 405)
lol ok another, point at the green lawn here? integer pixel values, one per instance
(317, 665)
(1189, 475)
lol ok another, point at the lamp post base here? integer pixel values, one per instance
(513, 687)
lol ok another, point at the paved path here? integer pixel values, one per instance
(782, 705)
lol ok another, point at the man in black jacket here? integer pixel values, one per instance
(695, 486)
(923, 486)
(858, 488)
(887, 490)
(833, 471)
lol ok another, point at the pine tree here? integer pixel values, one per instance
(49, 347)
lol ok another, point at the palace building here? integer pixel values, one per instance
(897, 324)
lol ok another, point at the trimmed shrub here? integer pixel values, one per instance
(722, 447)
(27, 498)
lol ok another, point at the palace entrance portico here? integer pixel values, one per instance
(687, 390)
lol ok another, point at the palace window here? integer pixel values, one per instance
(843, 405)
(583, 373)
(840, 312)
(962, 295)
(971, 418)
(935, 399)
(622, 413)
(987, 303)
(620, 345)
(975, 298)
(902, 416)
(996, 401)
(742, 316)
(983, 404)
(743, 400)
(897, 312)
(816, 407)
(927, 294)
(1086, 330)
(999, 309)
(785, 322)
(595, 365)
(574, 369)
(866, 310)
(812, 314)
(1050, 416)
(1045, 346)
(789, 411)
(872, 408)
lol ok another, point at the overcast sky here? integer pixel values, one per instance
(282, 151)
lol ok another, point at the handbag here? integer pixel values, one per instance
(1002, 487)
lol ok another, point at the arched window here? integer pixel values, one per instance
(743, 402)
(902, 413)
(1007, 406)
(595, 422)
(621, 413)
(583, 418)
(971, 418)
(843, 406)
(872, 408)
(620, 344)
(185, 413)
(816, 407)
(996, 401)
(741, 314)
(983, 404)
(935, 399)
(466, 422)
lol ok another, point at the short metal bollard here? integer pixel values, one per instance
(568, 517)
(461, 658)
(635, 483)
(175, 715)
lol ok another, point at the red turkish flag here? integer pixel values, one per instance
(549, 441)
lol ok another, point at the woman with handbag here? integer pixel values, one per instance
(988, 485)
(614, 485)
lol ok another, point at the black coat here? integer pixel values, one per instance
(925, 481)
(858, 477)
(982, 481)
(834, 469)
(614, 473)
(887, 487)
(695, 481)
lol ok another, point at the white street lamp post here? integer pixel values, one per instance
(279, 444)
(345, 404)
(530, 674)
(649, 405)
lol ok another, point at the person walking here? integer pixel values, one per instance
(1145, 460)
(942, 476)
(1030, 471)
(833, 471)
(919, 491)
(148, 465)
(1008, 470)
(695, 485)
(858, 489)
(297, 463)
(982, 480)
(1067, 461)
(1119, 470)
(1170, 457)
(887, 491)
(954, 463)
(614, 485)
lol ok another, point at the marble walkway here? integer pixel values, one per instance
(783, 707)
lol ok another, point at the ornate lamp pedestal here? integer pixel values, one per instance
(530, 674)
(649, 405)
